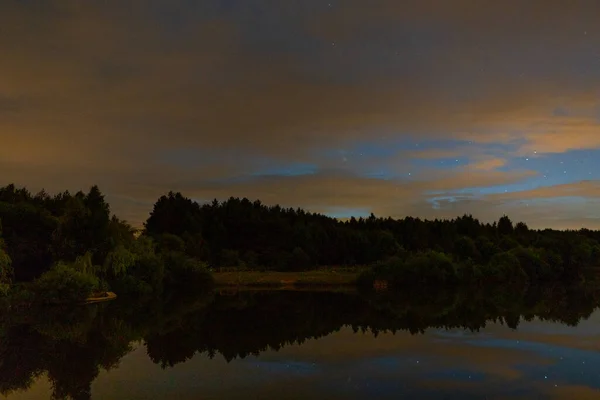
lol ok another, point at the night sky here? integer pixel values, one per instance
(423, 108)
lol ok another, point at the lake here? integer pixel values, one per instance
(494, 343)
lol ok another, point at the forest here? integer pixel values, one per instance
(70, 245)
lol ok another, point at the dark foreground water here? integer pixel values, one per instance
(538, 344)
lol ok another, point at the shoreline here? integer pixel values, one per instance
(292, 280)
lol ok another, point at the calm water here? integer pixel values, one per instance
(540, 344)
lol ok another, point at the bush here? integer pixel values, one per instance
(183, 271)
(554, 266)
(6, 270)
(505, 267)
(128, 284)
(465, 249)
(149, 268)
(299, 260)
(169, 242)
(486, 248)
(468, 271)
(4, 289)
(251, 259)
(428, 267)
(118, 262)
(508, 243)
(231, 258)
(388, 270)
(535, 265)
(63, 284)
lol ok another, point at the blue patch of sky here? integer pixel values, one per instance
(377, 157)
(475, 150)
(414, 143)
(560, 168)
(479, 148)
(448, 199)
(344, 213)
(385, 148)
(441, 163)
(385, 144)
(436, 201)
(487, 190)
(382, 173)
(552, 169)
(292, 169)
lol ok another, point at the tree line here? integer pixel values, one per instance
(54, 238)
(248, 234)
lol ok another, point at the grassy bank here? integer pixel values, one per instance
(325, 277)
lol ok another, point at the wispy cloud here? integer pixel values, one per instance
(115, 94)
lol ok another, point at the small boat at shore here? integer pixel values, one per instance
(99, 298)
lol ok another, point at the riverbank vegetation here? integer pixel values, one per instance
(323, 277)
(252, 236)
(72, 242)
(67, 247)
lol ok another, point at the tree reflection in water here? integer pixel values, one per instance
(72, 346)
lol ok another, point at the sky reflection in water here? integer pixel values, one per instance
(541, 359)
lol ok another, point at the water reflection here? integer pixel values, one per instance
(457, 342)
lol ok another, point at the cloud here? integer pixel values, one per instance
(571, 391)
(201, 95)
(564, 206)
(107, 92)
(488, 163)
(585, 189)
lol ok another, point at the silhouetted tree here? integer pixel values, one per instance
(505, 226)
(6, 270)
